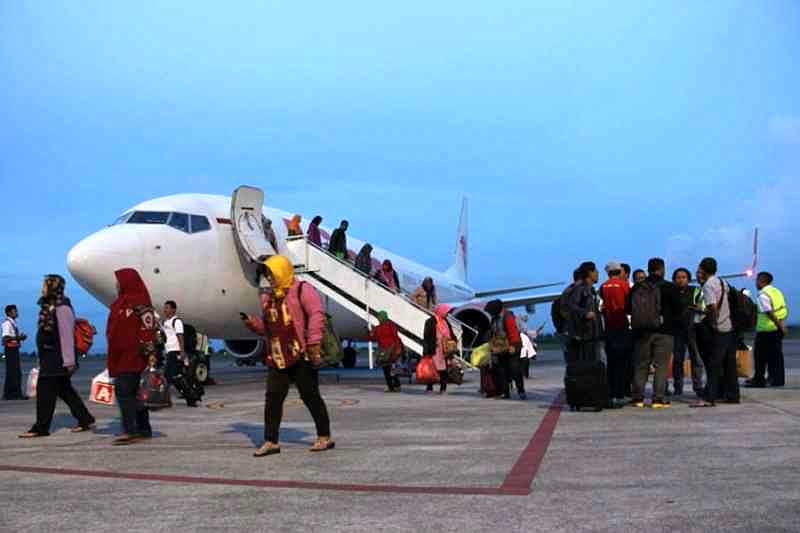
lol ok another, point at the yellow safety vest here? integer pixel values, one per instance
(778, 307)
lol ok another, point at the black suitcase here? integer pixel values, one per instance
(586, 381)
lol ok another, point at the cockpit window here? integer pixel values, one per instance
(200, 223)
(122, 219)
(148, 217)
(180, 221)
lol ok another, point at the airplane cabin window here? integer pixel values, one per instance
(179, 221)
(200, 223)
(149, 217)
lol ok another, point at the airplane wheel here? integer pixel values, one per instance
(349, 359)
(201, 372)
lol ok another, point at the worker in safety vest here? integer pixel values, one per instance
(770, 330)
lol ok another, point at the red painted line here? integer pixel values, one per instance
(259, 483)
(521, 477)
(517, 482)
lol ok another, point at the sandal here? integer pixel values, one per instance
(323, 444)
(124, 440)
(267, 449)
(81, 429)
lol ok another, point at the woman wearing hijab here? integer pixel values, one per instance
(293, 325)
(294, 226)
(132, 333)
(364, 260)
(55, 343)
(390, 348)
(388, 276)
(440, 343)
(313, 233)
(425, 295)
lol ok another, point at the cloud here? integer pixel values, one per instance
(785, 129)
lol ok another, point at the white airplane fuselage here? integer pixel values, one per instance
(203, 271)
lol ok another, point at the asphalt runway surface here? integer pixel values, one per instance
(411, 462)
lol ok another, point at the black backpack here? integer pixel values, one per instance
(189, 338)
(744, 313)
(559, 311)
(646, 306)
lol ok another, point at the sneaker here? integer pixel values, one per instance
(639, 403)
(523, 396)
(753, 384)
(661, 404)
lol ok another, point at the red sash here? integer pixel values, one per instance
(284, 347)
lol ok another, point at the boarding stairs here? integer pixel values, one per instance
(362, 295)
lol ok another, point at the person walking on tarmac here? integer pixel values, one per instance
(439, 342)
(293, 324)
(770, 331)
(390, 349)
(55, 343)
(132, 331)
(12, 340)
(338, 243)
(177, 371)
(505, 344)
(614, 293)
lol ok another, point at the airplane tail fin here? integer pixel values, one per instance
(459, 269)
(754, 267)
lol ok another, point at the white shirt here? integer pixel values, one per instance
(712, 294)
(764, 302)
(172, 328)
(9, 328)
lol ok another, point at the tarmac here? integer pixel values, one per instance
(411, 462)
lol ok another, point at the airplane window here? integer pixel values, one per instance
(180, 221)
(200, 223)
(148, 217)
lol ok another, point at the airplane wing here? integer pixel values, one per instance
(498, 292)
(525, 301)
(751, 271)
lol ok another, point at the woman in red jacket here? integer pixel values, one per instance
(390, 348)
(131, 333)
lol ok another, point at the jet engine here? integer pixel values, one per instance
(245, 348)
(475, 317)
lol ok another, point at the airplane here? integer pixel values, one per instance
(189, 248)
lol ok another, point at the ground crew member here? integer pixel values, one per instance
(770, 331)
(12, 339)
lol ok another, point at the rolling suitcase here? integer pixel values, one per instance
(585, 381)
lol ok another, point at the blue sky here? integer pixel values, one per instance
(579, 130)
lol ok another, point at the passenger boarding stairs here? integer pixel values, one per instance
(362, 295)
(337, 279)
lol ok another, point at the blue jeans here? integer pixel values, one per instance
(135, 416)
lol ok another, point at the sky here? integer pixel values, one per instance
(578, 130)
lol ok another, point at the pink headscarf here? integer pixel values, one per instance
(442, 327)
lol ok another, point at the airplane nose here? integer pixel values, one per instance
(93, 261)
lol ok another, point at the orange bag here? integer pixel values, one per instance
(84, 336)
(426, 371)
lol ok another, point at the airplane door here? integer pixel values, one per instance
(248, 227)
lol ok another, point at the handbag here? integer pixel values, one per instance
(455, 375)
(426, 371)
(154, 389)
(499, 344)
(481, 356)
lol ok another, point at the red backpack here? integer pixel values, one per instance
(84, 336)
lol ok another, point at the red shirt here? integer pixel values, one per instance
(615, 294)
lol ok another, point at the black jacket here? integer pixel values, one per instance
(48, 344)
(338, 242)
(583, 300)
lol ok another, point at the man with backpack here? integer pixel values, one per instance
(584, 325)
(505, 344)
(770, 331)
(614, 293)
(559, 313)
(721, 358)
(654, 306)
(176, 350)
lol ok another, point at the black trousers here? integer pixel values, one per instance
(506, 370)
(618, 354)
(768, 355)
(393, 382)
(722, 365)
(525, 365)
(278, 382)
(12, 388)
(682, 342)
(48, 390)
(135, 416)
(442, 382)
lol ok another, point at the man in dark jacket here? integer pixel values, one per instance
(584, 325)
(338, 243)
(655, 307)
